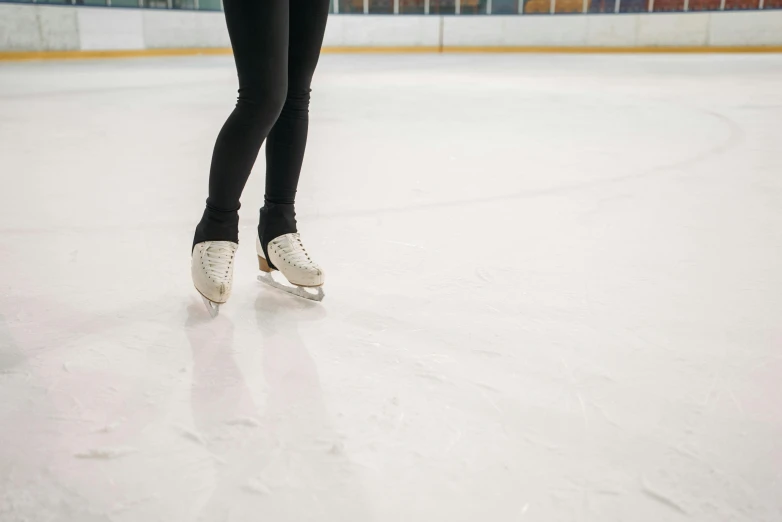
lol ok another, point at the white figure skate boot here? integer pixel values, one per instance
(212, 268)
(287, 254)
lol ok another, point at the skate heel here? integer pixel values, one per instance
(263, 265)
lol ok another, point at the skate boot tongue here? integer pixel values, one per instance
(293, 249)
(219, 255)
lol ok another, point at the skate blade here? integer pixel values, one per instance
(212, 308)
(311, 293)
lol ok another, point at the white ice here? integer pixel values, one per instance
(554, 293)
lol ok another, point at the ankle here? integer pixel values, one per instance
(217, 225)
(276, 220)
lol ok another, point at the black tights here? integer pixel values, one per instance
(276, 45)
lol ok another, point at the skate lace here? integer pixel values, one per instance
(293, 251)
(219, 256)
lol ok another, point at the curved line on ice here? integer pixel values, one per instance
(735, 136)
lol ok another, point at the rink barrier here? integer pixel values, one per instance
(33, 32)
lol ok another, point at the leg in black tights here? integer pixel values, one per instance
(276, 45)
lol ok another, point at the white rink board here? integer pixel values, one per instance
(382, 31)
(19, 29)
(612, 31)
(741, 29)
(108, 29)
(172, 29)
(59, 29)
(514, 31)
(688, 29)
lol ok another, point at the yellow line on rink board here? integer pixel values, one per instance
(87, 55)
(145, 53)
(612, 50)
(381, 50)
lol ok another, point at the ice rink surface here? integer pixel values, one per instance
(554, 293)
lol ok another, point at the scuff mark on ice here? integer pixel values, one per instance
(660, 497)
(244, 421)
(255, 485)
(105, 453)
(108, 428)
(191, 435)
